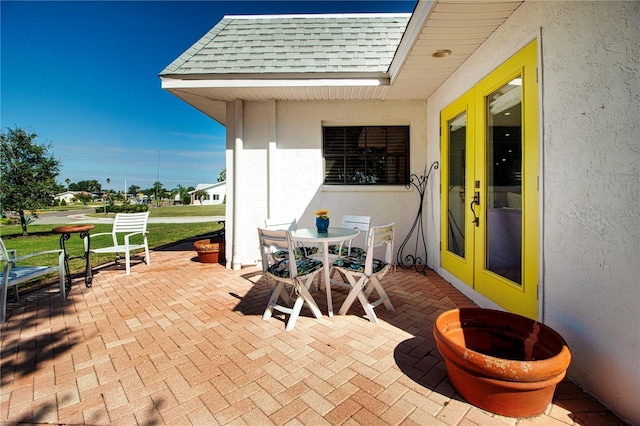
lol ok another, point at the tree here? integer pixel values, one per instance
(183, 192)
(92, 186)
(133, 190)
(84, 197)
(223, 175)
(158, 192)
(27, 174)
(200, 195)
(60, 188)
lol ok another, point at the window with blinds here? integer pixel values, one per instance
(366, 155)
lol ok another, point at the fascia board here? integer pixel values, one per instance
(418, 19)
(170, 83)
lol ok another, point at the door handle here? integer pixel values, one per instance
(476, 201)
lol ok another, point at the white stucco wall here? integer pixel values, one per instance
(287, 181)
(590, 165)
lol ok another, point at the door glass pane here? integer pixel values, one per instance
(504, 181)
(456, 220)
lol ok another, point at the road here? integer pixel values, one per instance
(76, 217)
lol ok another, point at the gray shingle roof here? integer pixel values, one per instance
(294, 44)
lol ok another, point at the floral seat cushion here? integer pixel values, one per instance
(299, 252)
(355, 251)
(356, 264)
(305, 266)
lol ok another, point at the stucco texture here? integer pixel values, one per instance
(282, 168)
(590, 163)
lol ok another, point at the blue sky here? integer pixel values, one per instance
(83, 76)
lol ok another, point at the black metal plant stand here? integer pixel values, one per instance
(408, 261)
(65, 233)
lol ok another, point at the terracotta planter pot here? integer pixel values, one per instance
(501, 362)
(210, 251)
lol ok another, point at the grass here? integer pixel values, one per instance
(194, 210)
(162, 211)
(42, 238)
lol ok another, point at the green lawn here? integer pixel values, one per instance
(162, 211)
(193, 210)
(41, 238)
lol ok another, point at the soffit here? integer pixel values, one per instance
(459, 26)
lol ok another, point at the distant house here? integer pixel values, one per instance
(67, 196)
(216, 193)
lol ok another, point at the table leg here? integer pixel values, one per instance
(88, 273)
(67, 274)
(327, 278)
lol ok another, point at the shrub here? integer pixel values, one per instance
(124, 208)
(10, 220)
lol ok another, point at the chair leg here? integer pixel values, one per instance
(127, 257)
(360, 292)
(3, 300)
(356, 288)
(295, 312)
(63, 290)
(368, 308)
(303, 296)
(383, 297)
(3, 305)
(304, 293)
(147, 259)
(275, 294)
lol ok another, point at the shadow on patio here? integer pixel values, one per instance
(181, 342)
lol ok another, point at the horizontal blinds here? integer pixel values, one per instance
(366, 155)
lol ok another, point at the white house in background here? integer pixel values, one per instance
(530, 109)
(216, 193)
(68, 196)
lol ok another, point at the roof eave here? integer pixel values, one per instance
(262, 80)
(416, 23)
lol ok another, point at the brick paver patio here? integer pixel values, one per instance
(180, 342)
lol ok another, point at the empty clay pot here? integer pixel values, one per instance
(501, 362)
(210, 251)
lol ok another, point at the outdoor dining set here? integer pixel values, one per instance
(291, 261)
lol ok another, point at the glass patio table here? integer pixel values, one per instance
(333, 235)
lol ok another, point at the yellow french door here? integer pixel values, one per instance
(489, 193)
(458, 171)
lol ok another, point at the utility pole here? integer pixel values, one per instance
(158, 179)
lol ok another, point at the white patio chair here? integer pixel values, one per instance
(362, 224)
(288, 225)
(14, 274)
(129, 233)
(291, 277)
(365, 273)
